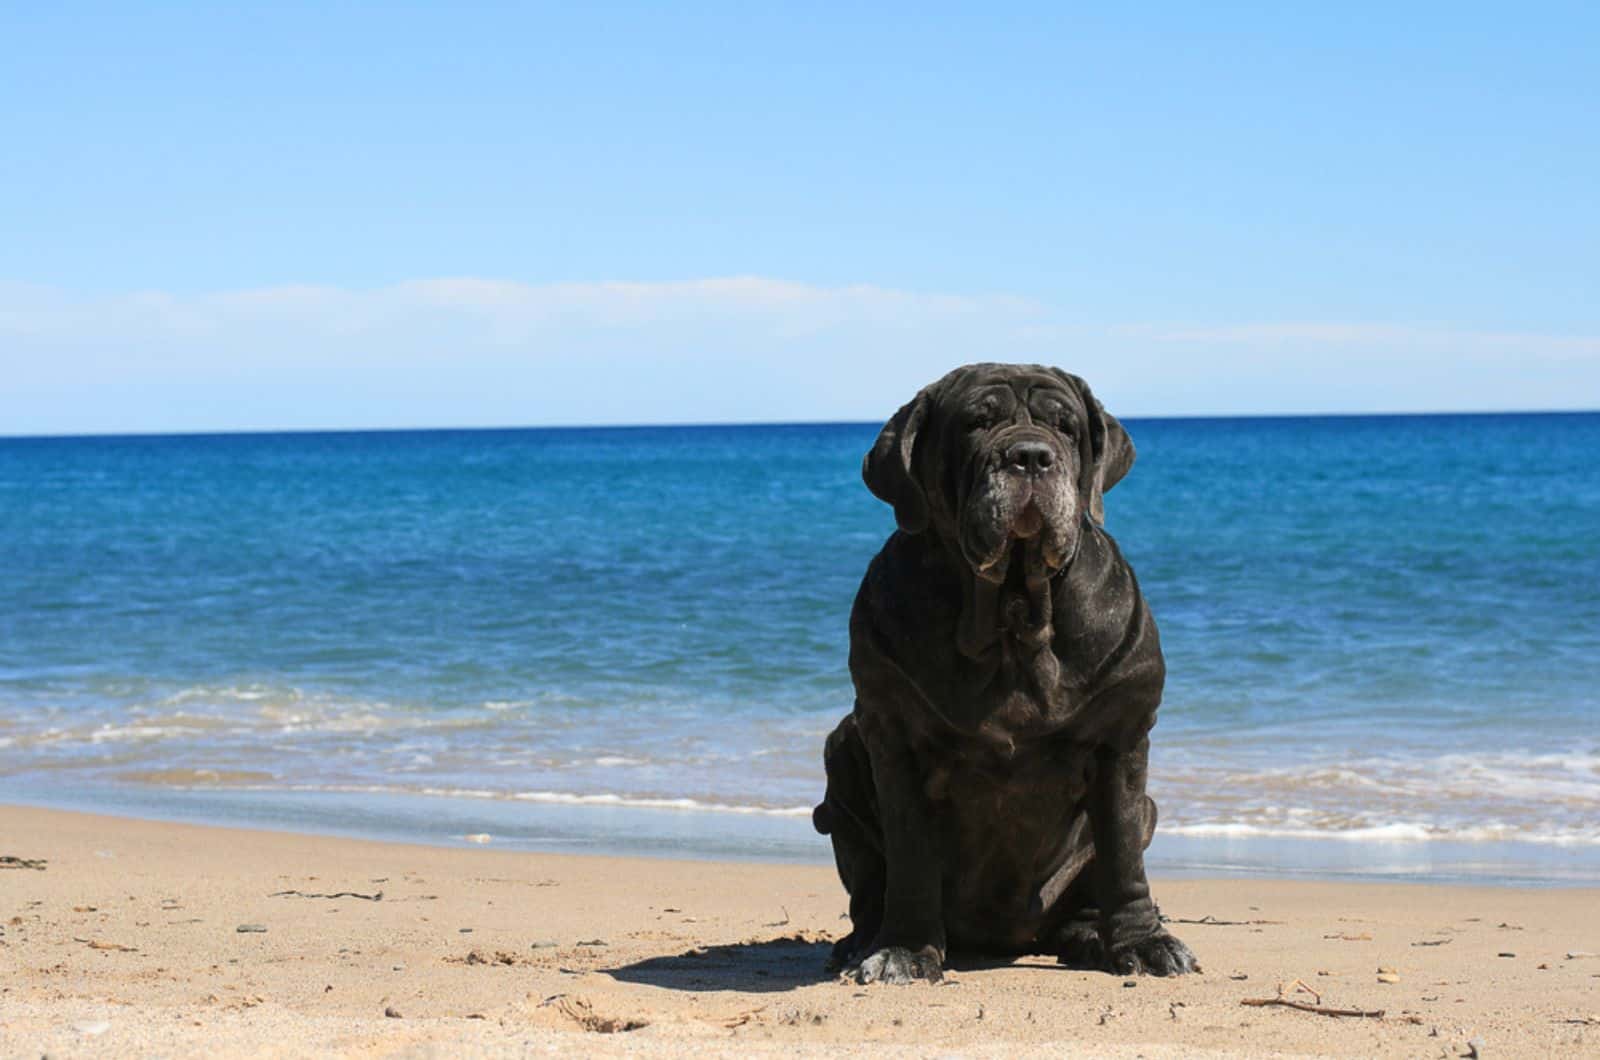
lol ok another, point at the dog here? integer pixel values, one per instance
(987, 792)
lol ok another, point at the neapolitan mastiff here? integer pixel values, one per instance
(987, 794)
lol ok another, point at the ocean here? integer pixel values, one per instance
(1382, 635)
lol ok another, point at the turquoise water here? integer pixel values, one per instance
(1378, 629)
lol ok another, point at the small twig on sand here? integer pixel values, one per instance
(11, 861)
(1212, 921)
(378, 897)
(1262, 1002)
(781, 923)
(95, 944)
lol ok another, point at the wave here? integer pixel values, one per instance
(561, 798)
(1567, 775)
(1397, 832)
(1511, 795)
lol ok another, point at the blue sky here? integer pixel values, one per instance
(413, 215)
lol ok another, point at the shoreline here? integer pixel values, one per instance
(138, 937)
(700, 834)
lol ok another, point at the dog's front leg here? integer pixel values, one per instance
(1130, 926)
(910, 942)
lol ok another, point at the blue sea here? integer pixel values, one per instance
(1382, 635)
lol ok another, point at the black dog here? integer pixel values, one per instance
(988, 791)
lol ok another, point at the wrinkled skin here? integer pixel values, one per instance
(987, 793)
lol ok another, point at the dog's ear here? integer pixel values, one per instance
(1107, 456)
(887, 470)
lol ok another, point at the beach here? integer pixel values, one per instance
(130, 937)
(440, 744)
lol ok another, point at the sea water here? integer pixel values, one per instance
(1382, 635)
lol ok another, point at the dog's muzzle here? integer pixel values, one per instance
(1021, 494)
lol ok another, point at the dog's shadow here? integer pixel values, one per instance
(765, 966)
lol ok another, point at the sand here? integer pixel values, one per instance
(139, 938)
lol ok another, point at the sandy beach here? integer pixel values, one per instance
(124, 937)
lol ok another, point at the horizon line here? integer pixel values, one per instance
(245, 432)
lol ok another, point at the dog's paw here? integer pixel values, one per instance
(1158, 954)
(843, 954)
(896, 964)
(1078, 946)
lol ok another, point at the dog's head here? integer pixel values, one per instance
(995, 456)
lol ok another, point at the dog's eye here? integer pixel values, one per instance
(1059, 417)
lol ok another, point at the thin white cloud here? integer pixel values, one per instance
(1321, 334)
(505, 308)
(470, 351)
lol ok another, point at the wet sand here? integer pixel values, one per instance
(125, 937)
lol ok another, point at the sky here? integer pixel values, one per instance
(317, 216)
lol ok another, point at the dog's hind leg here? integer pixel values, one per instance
(848, 814)
(1074, 937)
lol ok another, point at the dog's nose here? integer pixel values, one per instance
(1033, 458)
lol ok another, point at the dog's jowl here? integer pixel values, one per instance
(987, 793)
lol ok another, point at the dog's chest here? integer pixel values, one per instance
(1010, 704)
(1014, 719)
(1027, 784)
(1004, 753)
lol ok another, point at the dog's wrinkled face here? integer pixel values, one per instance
(1000, 459)
(1011, 461)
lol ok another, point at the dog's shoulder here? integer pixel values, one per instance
(1101, 613)
(1108, 632)
(903, 624)
(910, 592)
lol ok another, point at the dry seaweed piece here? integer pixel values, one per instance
(1212, 921)
(11, 861)
(1321, 1010)
(377, 897)
(579, 1011)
